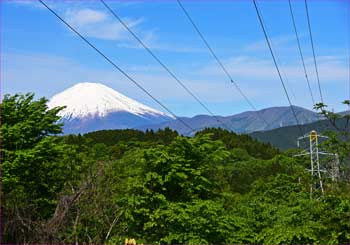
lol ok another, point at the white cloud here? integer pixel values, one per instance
(28, 3)
(98, 24)
(286, 44)
(83, 17)
(36, 4)
(277, 42)
(152, 43)
(102, 25)
(260, 75)
(332, 68)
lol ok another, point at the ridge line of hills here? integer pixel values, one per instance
(286, 137)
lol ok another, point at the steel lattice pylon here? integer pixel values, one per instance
(319, 170)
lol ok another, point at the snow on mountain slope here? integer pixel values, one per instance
(97, 100)
(94, 106)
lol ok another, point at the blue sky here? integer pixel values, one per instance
(39, 54)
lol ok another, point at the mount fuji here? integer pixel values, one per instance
(94, 106)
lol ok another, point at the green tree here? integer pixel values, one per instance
(32, 170)
(340, 140)
(171, 175)
(242, 141)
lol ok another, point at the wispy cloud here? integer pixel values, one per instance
(277, 42)
(285, 43)
(27, 3)
(332, 68)
(82, 17)
(154, 44)
(259, 75)
(98, 24)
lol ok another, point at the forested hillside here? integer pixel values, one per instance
(286, 137)
(158, 187)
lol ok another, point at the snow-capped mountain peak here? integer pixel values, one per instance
(97, 100)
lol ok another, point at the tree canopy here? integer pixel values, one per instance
(217, 187)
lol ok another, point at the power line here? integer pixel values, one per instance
(278, 71)
(161, 63)
(116, 66)
(288, 86)
(300, 52)
(313, 50)
(219, 62)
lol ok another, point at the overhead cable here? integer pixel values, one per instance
(313, 51)
(220, 63)
(301, 53)
(276, 66)
(162, 63)
(116, 66)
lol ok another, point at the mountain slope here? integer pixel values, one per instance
(245, 122)
(286, 137)
(94, 106)
(274, 116)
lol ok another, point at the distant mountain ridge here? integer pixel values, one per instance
(245, 122)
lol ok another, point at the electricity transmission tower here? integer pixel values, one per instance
(319, 170)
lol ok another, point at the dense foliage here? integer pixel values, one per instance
(284, 138)
(113, 137)
(157, 187)
(232, 140)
